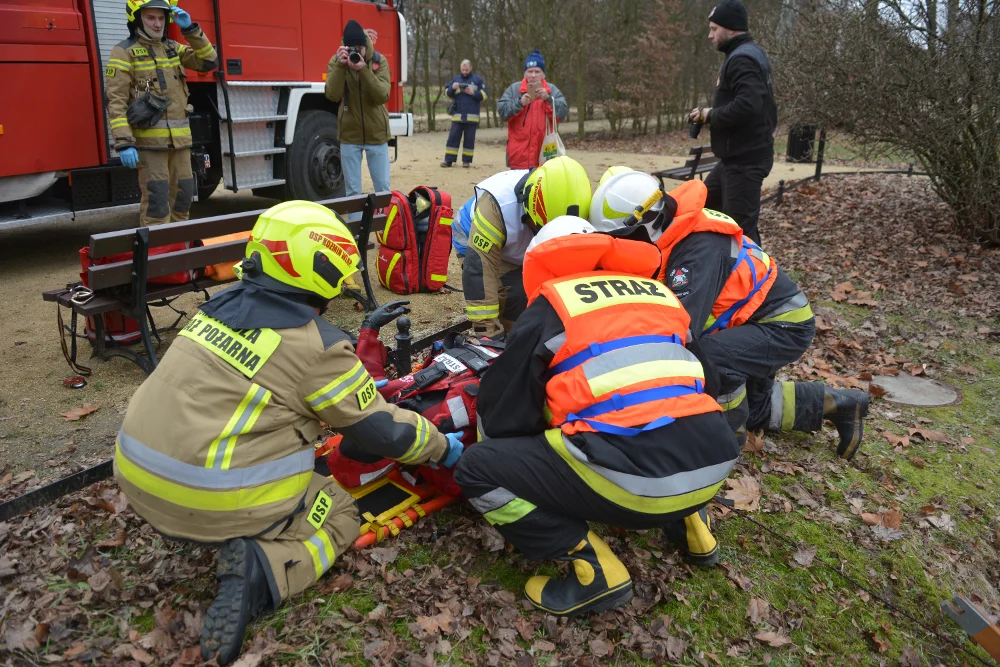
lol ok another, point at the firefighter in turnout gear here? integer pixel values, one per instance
(596, 411)
(510, 208)
(147, 97)
(217, 445)
(752, 317)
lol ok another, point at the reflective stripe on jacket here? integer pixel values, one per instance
(753, 272)
(622, 367)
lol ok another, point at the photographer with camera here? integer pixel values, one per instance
(743, 118)
(467, 91)
(358, 79)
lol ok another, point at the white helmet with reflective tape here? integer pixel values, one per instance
(617, 198)
(564, 225)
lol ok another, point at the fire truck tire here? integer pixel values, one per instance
(314, 171)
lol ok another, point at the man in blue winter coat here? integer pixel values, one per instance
(468, 90)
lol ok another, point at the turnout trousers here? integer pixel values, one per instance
(734, 189)
(747, 358)
(455, 137)
(167, 185)
(299, 550)
(536, 501)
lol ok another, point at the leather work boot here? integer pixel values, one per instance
(693, 536)
(446, 164)
(599, 582)
(846, 409)
(243, 595)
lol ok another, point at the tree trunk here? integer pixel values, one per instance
(581, 95)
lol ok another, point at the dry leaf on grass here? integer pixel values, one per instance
(79, 413)
(744, 492)
(871, 519)
(775, 639)
(803, 557)
(896, 440)
(891, 519)
(929, 435)
(757, 610)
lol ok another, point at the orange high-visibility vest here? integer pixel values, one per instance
(753, 273)
(623, 367)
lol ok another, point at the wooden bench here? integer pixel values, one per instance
(122, 286)
(701, 161)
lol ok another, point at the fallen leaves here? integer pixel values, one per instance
(943, 522)
(79, 413)
(929, 435)
(896, 440)
(773, 639)
(803, 557)
(757, 611)
(744, 492)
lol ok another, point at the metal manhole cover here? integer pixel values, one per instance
(912, 390)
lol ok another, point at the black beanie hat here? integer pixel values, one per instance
(730, 14)
(354, 34)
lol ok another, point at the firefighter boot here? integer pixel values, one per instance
(846, 409)
(598, 582)
(243, 595)
(693, 536)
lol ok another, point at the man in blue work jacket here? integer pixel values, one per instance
(468, 90)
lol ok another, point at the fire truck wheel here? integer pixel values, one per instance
(206, 189)
(314, 158)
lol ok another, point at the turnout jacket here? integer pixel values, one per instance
(466, 105)
(218, 442)
(670, 467)
(744, 114)
(362, 117)
(140, 62)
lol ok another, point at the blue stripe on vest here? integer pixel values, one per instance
(619, 402)
(726, 317)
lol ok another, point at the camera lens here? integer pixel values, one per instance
(355, 57)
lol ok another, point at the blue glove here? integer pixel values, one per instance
(381, 383)
(130, 157)
(181, 18)
(455, 448)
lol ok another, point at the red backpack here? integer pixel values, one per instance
(415, 246)
(444, 392)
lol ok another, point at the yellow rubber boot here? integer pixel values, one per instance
(693, 535)
(598, 582)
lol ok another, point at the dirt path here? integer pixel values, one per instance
(33, 435)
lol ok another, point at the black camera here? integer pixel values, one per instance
(694, 130)
(354, 55)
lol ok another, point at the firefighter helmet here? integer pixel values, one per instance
(133, 7)
(564, 225)
(558, 187)
(613, 171)
(302, 245)
(617, 198)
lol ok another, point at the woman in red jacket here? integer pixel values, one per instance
(525, 112)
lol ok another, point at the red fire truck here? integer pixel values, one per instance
(260, 122)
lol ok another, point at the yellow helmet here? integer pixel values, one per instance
(613, 171)
(132, 7)
(558, 187)
(302, 245)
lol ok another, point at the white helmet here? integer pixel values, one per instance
(613, 171)
(564, 225)
(618, 197)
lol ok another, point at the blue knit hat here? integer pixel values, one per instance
(535, 59)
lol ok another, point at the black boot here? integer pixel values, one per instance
(693, 536)
(599, 582)
(243, 595)
(846, 409)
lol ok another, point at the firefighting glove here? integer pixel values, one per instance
(181, 18)
(130, 157)
(384, 314)
(455, 449)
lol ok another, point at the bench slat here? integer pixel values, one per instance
(112, 243)
(120, 273)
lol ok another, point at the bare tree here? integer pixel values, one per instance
(893, 78)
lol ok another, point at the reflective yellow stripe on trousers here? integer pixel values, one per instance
(211, 489)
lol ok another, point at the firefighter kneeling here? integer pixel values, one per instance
(217, 445)
(596, 411)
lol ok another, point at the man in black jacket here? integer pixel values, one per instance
(743, 118)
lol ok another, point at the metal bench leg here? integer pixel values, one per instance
(139, 310)
(363, 234)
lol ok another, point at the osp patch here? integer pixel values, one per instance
(680, 278)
